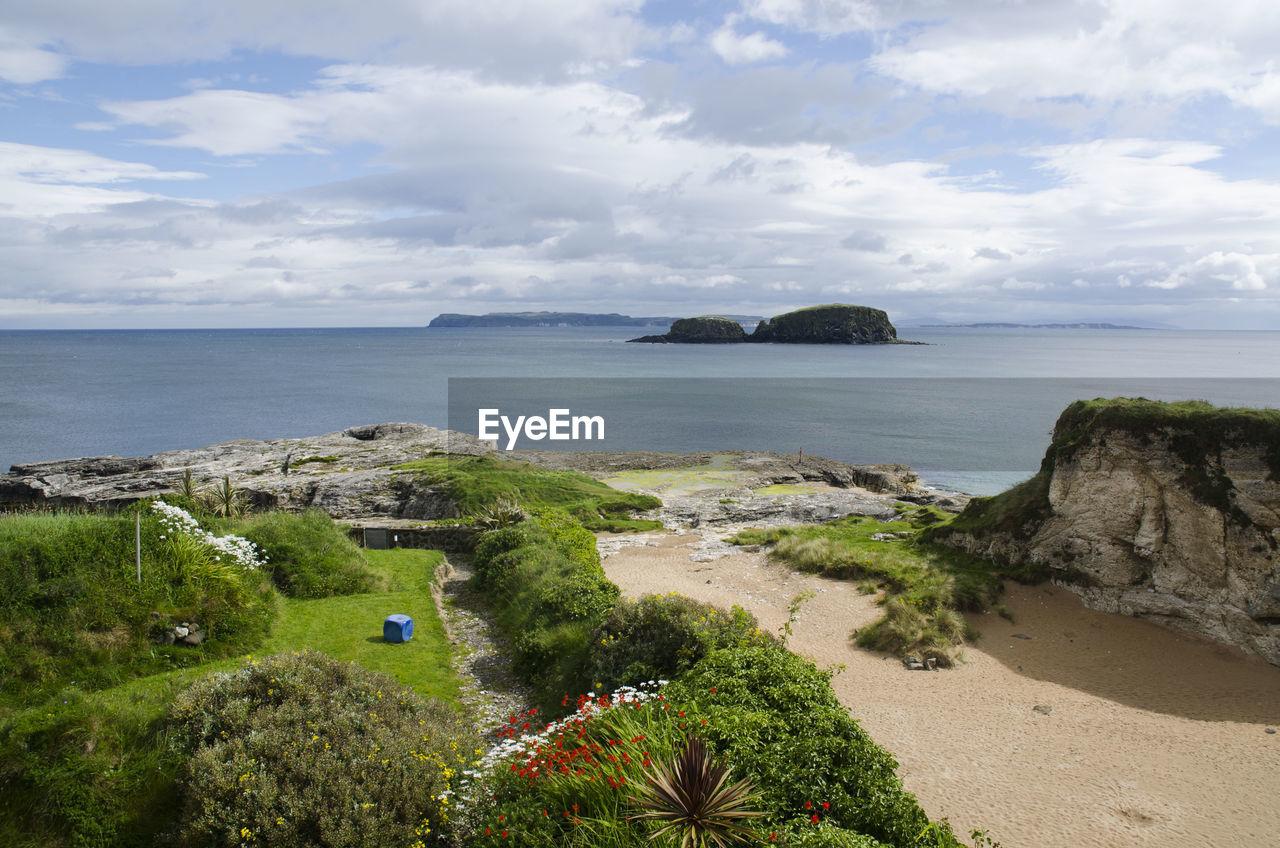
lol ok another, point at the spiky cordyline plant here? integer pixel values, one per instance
(225, 500)
(501, 513)
(688, 792)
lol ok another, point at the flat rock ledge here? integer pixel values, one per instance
(351, 474)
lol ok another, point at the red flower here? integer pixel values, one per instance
(826, 805)
(713, 691)
(814, 818)
(773, 837)
(808, 805)
(504, 834)
(487, 831)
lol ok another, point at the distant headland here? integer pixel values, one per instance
(833, 323)
(558, 319)
(1001, 325)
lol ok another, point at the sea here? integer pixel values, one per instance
(971, 409)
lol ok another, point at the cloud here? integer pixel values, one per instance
(872, 242)
(1219, 271)
(743, 49)
(1122, 52)
(471, 191)
(24, 63)
(542, 38)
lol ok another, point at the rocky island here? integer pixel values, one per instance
(705, 329)
(835, 323)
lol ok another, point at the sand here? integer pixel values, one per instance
(1153, 738)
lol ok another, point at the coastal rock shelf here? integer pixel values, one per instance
(353, 475)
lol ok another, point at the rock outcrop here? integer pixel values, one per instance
(353, 474)
(835, 323)
(706, 329)
(1168, 512)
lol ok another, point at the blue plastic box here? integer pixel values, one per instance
(397, 628)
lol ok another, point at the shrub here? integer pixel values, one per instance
(690, 795)
(804, 833)
(566, 784)
(551, 595)
(907, 629)
(87, 770)
(776, 717)
(304, 750)
(72, 608)
(659, 637)
(308, 555)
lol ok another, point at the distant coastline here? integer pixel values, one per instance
(559, 319)
(1001, 325)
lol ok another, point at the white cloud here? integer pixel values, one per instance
(738, 49)
(511, 39)
(24, 63)
(1219, 270)
(1124, 51)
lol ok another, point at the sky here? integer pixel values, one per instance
(293, 163)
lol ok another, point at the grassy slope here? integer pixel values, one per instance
(99, 760)
(474, 483)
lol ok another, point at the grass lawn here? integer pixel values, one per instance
(349, 627)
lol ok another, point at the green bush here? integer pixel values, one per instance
(568, 785)
(908, 629)
(659, 637)
(303, 750)
(776, 717)
(308, 554)
(87, 770)
(804, 833)
(71, 606)
(550, 594)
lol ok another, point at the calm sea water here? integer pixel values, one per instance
(971, 410)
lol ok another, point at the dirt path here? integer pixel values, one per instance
(481, 656)
(1151, 738)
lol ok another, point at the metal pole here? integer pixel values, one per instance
(137, 542)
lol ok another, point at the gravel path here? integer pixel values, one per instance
(482, 655)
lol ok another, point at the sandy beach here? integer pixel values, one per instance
(1145, 737)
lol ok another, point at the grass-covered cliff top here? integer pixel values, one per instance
(1214, 427)
(474, 483)
(1196, 432)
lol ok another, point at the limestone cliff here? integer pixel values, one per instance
(1168, 512)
